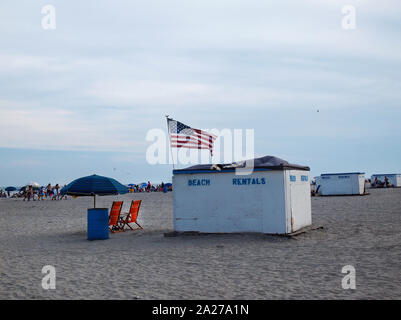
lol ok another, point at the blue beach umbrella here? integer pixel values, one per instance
(94, 185)
(11, 189)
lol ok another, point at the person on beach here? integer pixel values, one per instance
(24, 193)
(378, 184)
(63, 195)
(57, 187)
(42, 193)
(387, 184)
(48, 190)
(30, 193)
(54, 193)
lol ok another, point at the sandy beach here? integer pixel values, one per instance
(363, 231)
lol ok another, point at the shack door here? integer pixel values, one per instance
(300, 200)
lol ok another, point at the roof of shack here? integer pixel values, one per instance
(259, 164)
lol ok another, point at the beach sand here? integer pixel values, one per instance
(363, 231)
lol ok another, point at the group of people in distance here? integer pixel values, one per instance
(33, 193)
(379, 184)
(42, 193)
(148, 188)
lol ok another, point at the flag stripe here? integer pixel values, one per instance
(202, 136)
(189, 146)
(191, 140)
(208, 134)
(180, 145)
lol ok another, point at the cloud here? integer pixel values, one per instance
(148, 92)
(59, 129)
(111, 70)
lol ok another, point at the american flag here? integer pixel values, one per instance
(183, 136)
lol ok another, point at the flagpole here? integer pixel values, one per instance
(169, 138)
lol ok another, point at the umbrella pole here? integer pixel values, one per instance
(94, 201)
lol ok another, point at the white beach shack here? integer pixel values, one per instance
(394, 179)
(351, 183)
(274, 198)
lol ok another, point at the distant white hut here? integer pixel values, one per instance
(394, 179)
(341, 183)
(274, 198)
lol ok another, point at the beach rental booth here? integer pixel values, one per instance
(330, 184)
(272, 198)
(394, 179)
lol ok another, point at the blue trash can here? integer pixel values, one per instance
(98, 224)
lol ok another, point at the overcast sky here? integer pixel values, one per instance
(80, 99)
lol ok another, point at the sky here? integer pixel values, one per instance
(81, 98)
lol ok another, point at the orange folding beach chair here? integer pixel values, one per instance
(115, 222)
(132, 215)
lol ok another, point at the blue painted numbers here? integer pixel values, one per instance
(294, 178)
